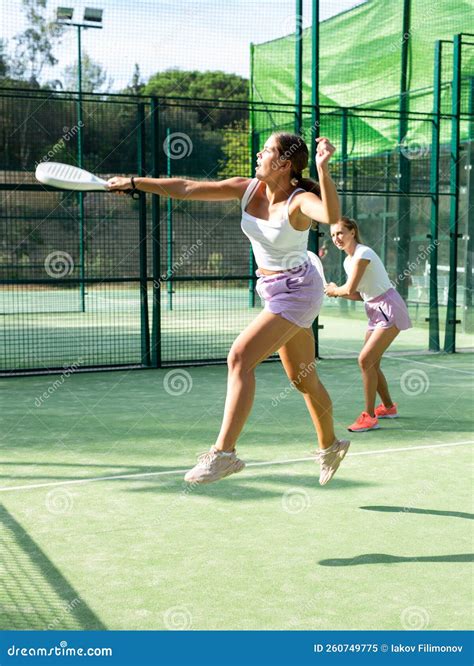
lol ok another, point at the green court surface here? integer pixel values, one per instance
(99, 530)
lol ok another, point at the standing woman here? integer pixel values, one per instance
(368, 281)
(278, 207)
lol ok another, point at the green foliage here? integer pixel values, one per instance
(136, 85)
(93, 75)
(236, 159)
(214, 85)
(3, 59)
(34, 47)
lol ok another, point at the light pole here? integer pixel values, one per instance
(92, 19)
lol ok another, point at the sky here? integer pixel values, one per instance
(160, 34)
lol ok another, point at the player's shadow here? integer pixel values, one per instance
(382, 558)
(409, 509)
(244, 487)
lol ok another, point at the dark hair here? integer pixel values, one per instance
(352, 225)
(293, 148)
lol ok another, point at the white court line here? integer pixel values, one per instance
(255, 464)
(431, 365)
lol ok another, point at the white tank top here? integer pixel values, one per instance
(277, 245)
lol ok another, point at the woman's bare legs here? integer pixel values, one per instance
(297, 356)
(376, 343)
(263, 336)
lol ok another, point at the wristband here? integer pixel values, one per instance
(132, 181)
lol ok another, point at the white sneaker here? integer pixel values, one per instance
(214, 465)
(331, 458)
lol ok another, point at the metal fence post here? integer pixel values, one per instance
(451, 321)
(434, 189)
(403, 253)
(145, 331)
(468, 313)
(299, 67)
(155, 241)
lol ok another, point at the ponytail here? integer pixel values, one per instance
(352, 225)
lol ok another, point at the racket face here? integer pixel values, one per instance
(68, 177)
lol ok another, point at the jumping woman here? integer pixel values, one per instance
(368, 281)
(278, 207)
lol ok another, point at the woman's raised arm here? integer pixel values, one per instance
(180, 188)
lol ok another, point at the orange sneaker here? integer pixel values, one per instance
(382, 412)
(364, 422)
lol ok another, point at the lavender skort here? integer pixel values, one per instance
(295, 295)
(388, 310)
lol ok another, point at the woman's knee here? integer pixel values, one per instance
(237, 359)
(368, 362)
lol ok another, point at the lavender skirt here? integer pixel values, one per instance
(296, 295)
(388, 310)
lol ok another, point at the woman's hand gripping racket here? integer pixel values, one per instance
(67, 177)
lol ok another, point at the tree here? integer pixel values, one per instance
(217, 86)
(236, 159)
(3, 59)
(135, 87)
(93, 76)
(34, 46)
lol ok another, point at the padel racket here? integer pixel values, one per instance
(67, 177)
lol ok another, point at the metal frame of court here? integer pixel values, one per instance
(148, 115)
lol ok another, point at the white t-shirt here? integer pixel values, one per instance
(375, 280)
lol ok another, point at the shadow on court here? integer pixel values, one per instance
(409, 509)
(33, 593)
(381, 558)
(245, 488)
